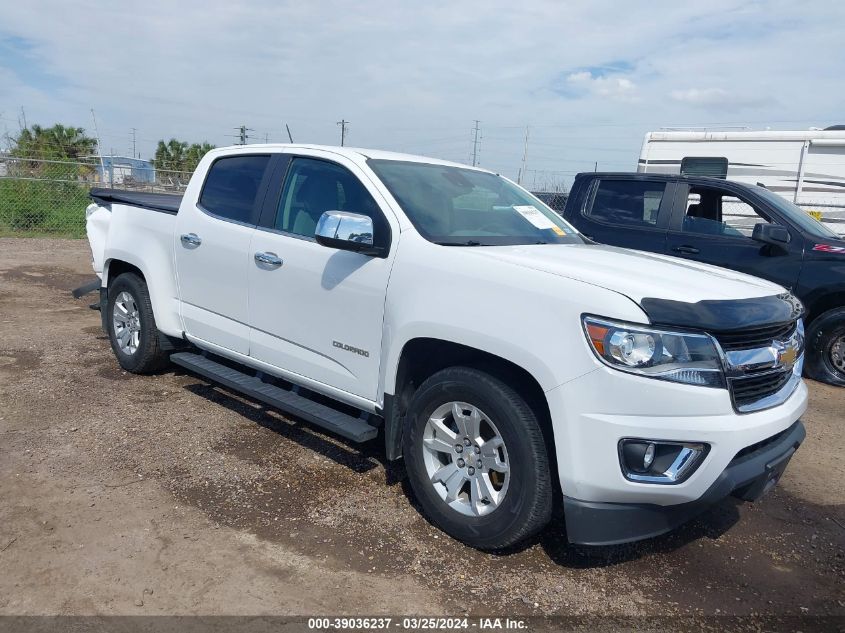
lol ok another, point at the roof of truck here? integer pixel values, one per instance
(353, 153)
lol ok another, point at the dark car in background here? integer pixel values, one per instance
(738, 226)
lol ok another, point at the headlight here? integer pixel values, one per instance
(677, 356)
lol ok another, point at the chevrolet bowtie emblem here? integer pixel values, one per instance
(787, 354)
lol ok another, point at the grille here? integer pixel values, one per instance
(758, 337)
(749, 389)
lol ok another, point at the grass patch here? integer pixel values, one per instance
(38, 208)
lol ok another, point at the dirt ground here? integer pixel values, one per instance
(122, 494)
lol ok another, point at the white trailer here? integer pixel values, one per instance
(805, 167)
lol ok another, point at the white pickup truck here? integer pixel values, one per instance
(512, 363)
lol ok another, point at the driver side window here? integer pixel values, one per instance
(715, 212)
(315, 186)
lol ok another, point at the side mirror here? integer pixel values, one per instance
(770, 234)
(348, 232)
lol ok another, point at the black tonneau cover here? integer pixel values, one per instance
(164, 202)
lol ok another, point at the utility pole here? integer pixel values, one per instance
(342, 123)
(133, 142)
(242, 134)
(23, 115)
(475, 143)
(266, 137)
(99, 147)
(524, 156)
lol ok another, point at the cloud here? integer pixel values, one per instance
(589, 78)
(612, 87)
(716, 98)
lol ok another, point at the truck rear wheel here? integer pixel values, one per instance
(131, 324)
(826, 347)
(476, 459)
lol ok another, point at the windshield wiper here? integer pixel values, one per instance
(467, 243)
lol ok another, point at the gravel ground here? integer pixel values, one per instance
(122, 494)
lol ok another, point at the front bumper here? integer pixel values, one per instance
(592, 413)
(748, 476)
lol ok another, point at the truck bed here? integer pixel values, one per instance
(163, 202)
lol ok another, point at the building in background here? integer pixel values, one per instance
(124, 170)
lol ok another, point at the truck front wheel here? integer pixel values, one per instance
(132, 326)
(826, 347)
(476, 459)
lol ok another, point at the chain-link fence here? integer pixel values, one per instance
(556, 200)
(828, 213)
(49, 197)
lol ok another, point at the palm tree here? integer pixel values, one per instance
(59, 142)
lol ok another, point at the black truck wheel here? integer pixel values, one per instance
(825, 360)
(476, 459)
(132, 327)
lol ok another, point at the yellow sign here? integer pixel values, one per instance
(815, 214)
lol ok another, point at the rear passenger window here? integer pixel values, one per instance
(232, 185)
(628, 202)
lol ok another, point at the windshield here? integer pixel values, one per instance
(464, 207)
(796, 215)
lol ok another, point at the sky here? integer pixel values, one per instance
(586, 79)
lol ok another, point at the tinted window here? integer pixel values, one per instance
(466, 207)
(797, 215)
(316, 186)
(713, 212)
(715, 167)
(231, 186)
(629, 202)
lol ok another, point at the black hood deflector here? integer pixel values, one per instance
(724, 315)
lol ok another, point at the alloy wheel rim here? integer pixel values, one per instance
(126, 321)
(837, 353)
(466, 459)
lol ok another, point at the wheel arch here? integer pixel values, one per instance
(161, 284)
(423, 356)
(821, 304)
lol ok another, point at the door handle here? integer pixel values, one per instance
(686, 250)
(190, 239)
(269, 259)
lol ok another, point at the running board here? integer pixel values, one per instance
(325, 417)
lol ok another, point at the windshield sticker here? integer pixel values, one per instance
(827, 248)
(533, 215)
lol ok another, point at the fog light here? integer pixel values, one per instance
(659, 462)
(648, 458)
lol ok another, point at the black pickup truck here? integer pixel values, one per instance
(729, 224)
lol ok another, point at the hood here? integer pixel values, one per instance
(635, 274)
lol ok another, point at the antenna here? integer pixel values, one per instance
(290, 138)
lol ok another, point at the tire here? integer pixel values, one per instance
(825, 360)
(519, 501)
(133, 333)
